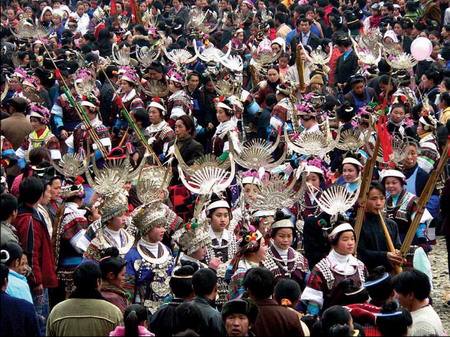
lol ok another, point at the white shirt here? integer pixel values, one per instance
(426, 322)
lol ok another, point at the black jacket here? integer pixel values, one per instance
(163, 320)
(372, 246)
(313, 43)
(346, 68)
(212, 324)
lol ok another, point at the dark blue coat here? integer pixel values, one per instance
(17, 317)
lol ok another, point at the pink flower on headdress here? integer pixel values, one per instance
(83, 74)
(128, 74)
(318, 163)
(40, 110)
(304, 107)
(20, 72)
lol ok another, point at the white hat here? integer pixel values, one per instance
(392, 173)
(283, 223)
(263, 213)
(158, 106)
(251, 180)
(218, 204)
(351, 160)
(46, 9)
(390, 33)
(313, 169)
(177, 112)
(223, 106)
(281, 42)
(88, 104)
(339, 229)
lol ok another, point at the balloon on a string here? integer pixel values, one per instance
(421, 48)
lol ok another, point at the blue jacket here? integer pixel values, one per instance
(17, 317)
(18, 286)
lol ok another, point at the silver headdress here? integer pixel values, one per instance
(351, 139)
(211, 54)
(368, 48)
(191, 239)
(275, 194)
(207, 175)
(155, 88)
(71, 165)
(335, 199)
(311, 143)
(179, 57)
(401, 61)
(26, 30)
(257, 153)
(121, 56)
(153, 183)
(149, 216)
(318, 57)
(204, 22)
(146, 55)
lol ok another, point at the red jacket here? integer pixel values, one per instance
(36, 243)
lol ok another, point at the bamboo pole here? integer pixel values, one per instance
(424, 197)
(390, 244)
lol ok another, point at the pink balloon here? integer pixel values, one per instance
(421, 48)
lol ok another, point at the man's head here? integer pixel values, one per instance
(8, 207)
(259, 283)
(193, 81)
(31, 190)
(238, 316)
(181, 282)
(204, 283)
(411, 287)
(18, 104)
(358, 84)
(87, 277)
(303, 24)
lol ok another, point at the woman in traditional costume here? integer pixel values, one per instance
(339, 265)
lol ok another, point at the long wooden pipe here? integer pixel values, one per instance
(390, 244)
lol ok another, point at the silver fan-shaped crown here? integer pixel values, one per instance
(317, 56)
(146, 56)
(208, 178)
(71, 165)
(368, 52)
(203, 21)
(233, 62)
(179, 57)
(335, 199)
(153, 180)
(227, 88)
(208, 160)
(350, 140)
(121, 56)
(211, 54)
(26, 30)
(311, 143)
(84, 86)
(257, 153)
(155, 88)
(399, 152)
(275, 194)
(401, 61)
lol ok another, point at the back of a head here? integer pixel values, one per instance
(379, 285)
(31, 190)
(8, 204)
(188, 316)
(393, 321)
(111, 262)
(134, 316)
(287, 289)
(204, 281)
(259, 282)
(181, 282)
(412, 281)
(86, 276)
(10, 252)
(335, 315)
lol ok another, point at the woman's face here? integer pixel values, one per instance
(346, 243)
(276, 48)
(221, 115)
(313, 179)
(180, 130)
(397, 115)
(393, 185)
(56, 188)
(272, 75)
(411, 157)
(240, 36)
(117, 222)
(251, 191)
(125, 86)
(220, 219)
(47, 196)
(117, 280)
(261, 253)
(156, 234)
(350, 173)
(375, 201)
(283, 238)
(36, 124)
(154, 115)
(199, 254)
(283, 62)
(47, 16)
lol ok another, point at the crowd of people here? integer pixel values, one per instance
(223, 168)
